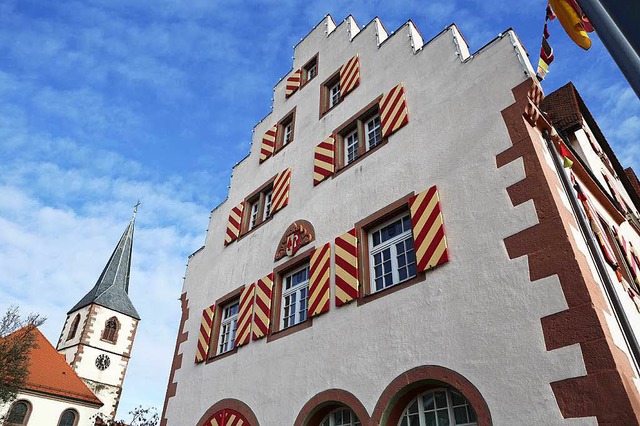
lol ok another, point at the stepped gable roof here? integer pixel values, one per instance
(112, 288)
(49, 372)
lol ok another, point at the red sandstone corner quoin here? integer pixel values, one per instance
(172, 386)
(551, 250)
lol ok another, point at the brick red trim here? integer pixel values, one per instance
(410, 384)
(229, 404)
(607, 391)
(324, 402)
(172, 386)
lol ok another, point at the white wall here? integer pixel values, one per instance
(63, 343)
(478, 315)
(46, 410)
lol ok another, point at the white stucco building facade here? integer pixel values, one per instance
(398, 247)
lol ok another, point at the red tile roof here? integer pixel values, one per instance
(633, 179)
(50, 373)
(562, 107)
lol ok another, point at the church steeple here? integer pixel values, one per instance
(98, 334)
(112, 288)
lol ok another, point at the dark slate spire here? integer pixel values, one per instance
(112, 288)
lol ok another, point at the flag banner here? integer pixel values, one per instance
(546, 51)
(573, 21)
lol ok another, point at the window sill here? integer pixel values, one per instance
(306, 82)
(328, 110)
(289, 330)
(392, 289)
(366, 154)
(109, 341)
(221, 356)
(249, 231)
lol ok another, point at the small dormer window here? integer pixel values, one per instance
(110, 333)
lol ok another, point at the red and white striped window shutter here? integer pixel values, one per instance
(293, 83)
(281, 190)
(268, 143)
(346, 267)
(323, 160)
(204, 337)
(262, 309)
(234, 224)
(430, 242)
(350, 75)
(245, 311)
(319, 280)
(393, 110)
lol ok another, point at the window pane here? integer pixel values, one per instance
(334, 95)
(267, 206)
(18, 413)
(67, 419)
(441, 399)
(254, 215)
(457, 399)
(472, 414)
(351, 147)
(428, 402)
(376, 238)
(406, 223)
(373, 132)
(461, 415)
(430, 418)
(413, 408)
(443, 417)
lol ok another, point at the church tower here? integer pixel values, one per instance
(98, 333)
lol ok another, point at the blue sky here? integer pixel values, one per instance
(105, 102)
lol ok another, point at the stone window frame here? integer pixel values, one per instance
(363, 227)
(221, 303)
(356, 122)
(275, 331)
(74, 327)
(304, 77)
(76, 416)
(25, 419)
(113, 339)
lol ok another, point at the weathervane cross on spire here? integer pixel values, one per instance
(135, 208)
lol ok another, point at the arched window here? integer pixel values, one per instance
(110, 332)
(341, 417)
(74, 327)
(439, 407)
(19, 414)
(68, 418)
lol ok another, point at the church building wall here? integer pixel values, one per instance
(47, 410)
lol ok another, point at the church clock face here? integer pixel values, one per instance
(102, 362)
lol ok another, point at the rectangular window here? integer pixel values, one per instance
(334, 95)
(310, 70)
(267, 206)
(373, 131)
(259, 207)
(391, 256)
(295, 289)
(358, 136)
(228, 326)
(255, 208)
(330, 94)
(351, 147)
(286, 128)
